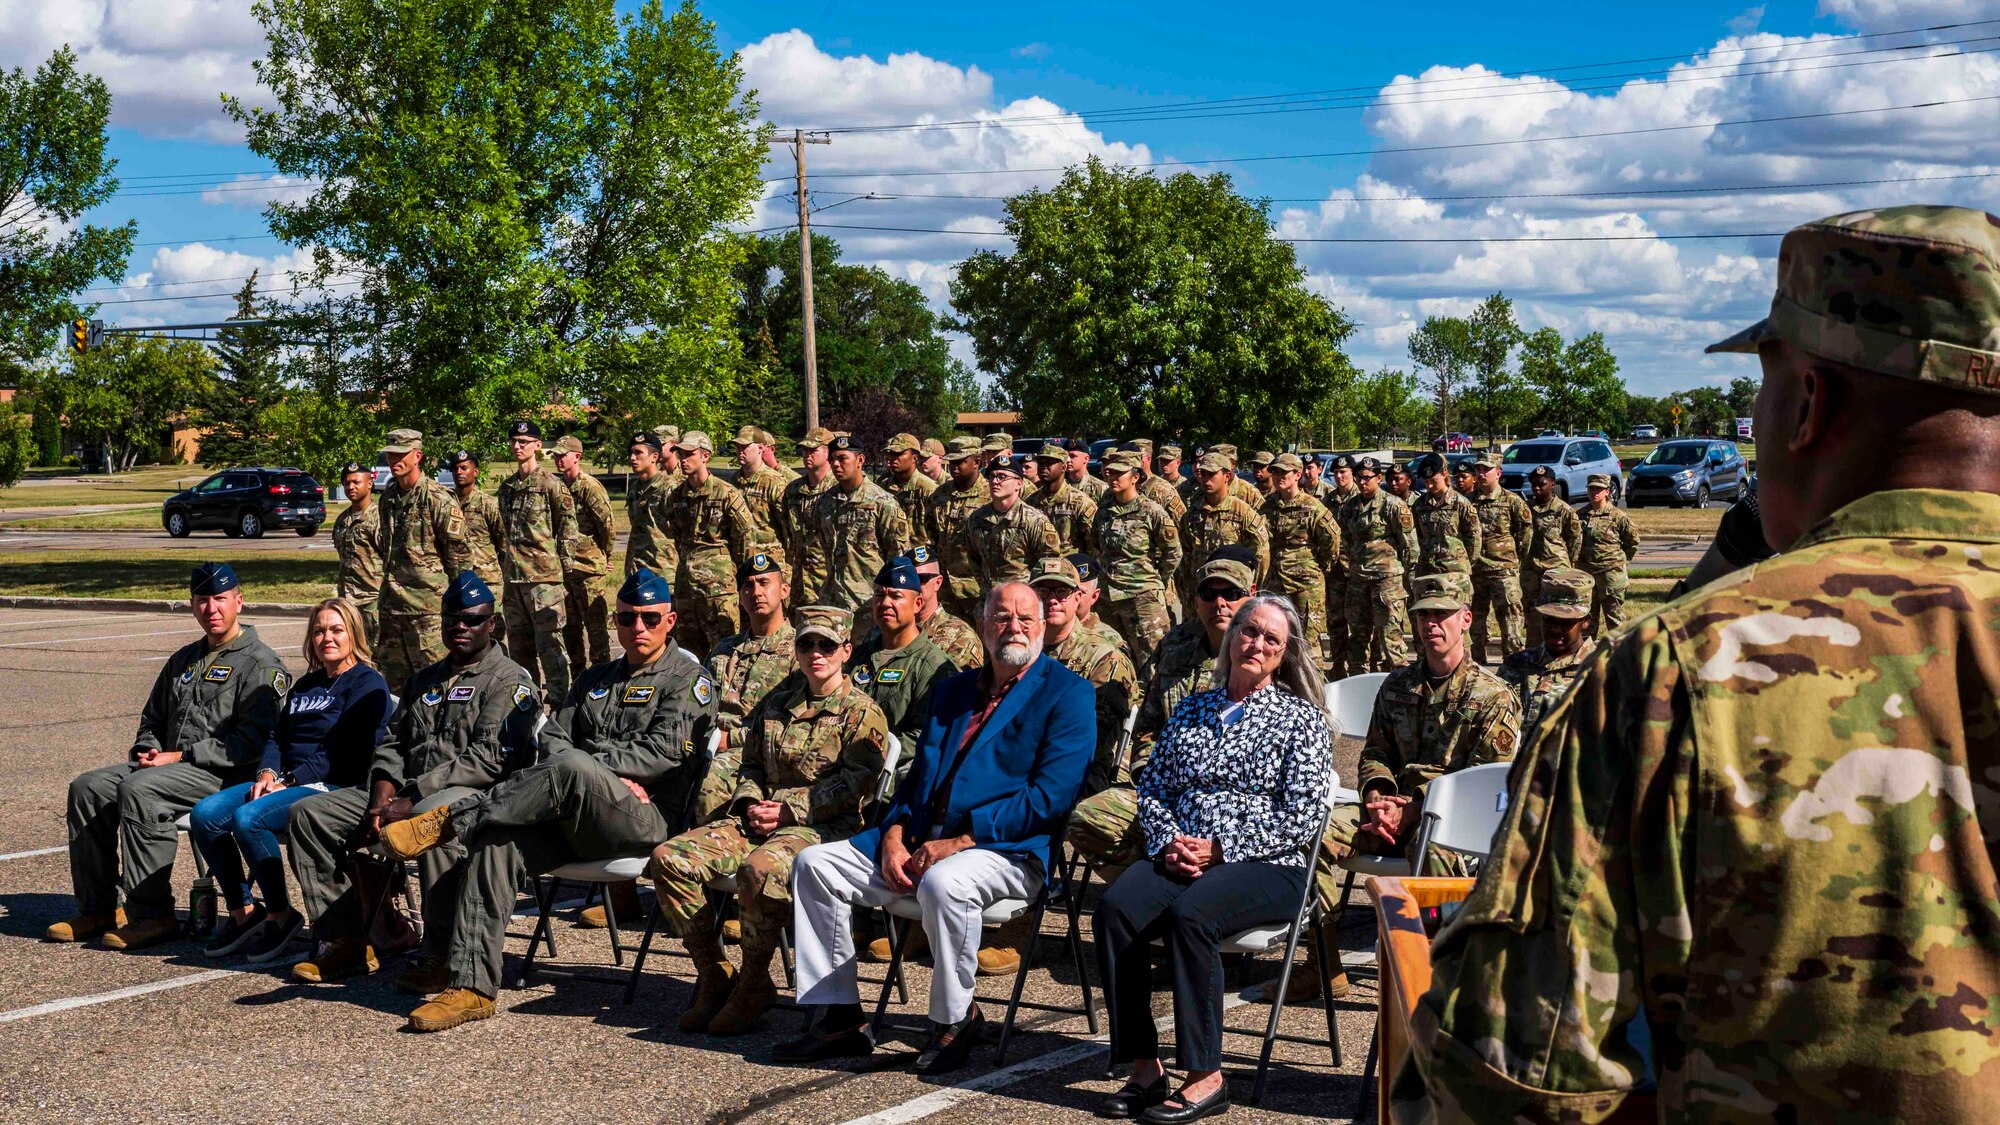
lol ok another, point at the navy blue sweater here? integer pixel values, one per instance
(328, 727)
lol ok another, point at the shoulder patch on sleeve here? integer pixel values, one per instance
(704, 690)
(524, 697)
(281, 680)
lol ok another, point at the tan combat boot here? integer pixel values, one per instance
(342, 958)
(83, 927)
(453, 1006)
(1000, 956)
(1304, 986)
(753, 993)
(624, 896)
(732, 931)
(917, 949)
(713, 972)
(430, 975)
(141, 933)
(408, 839)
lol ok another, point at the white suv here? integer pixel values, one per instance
(1574, 460)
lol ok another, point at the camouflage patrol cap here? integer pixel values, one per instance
(1565, 594)
(668, 434)
(816, 438)
(1541, 472)
(1263, 457)
(1052, 451)
(931, 447)
(1123, 461)
(903, 443)
(1054, 570)
(1214, 463)
(1597, 480)
(999, 441)
(569, 443)
(1287, 463)
(748, 435)
(1226, 450)
(1908, 292)
(1235, 565)
(694, 440)
(961, 447)
(828, 621)
(766, 437)
(758, 562)
(1440, 591)
(1142, 446)
(1171, 450)
(1487, 460)
(402, 441)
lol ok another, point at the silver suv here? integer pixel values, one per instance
(1573, 459)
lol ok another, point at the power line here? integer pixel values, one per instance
(202, 296)
(1722, 124)
(1468, 238)
(218, 238)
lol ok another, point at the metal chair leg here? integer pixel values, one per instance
(1326, 987)
(545, 898)
(1083, 975)
(645, 946)
(1021, 979)
(899, 936)
(611, 923)
(785, 957)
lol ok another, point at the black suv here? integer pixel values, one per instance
(244, 502)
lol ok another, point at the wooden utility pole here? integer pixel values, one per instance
(799, 140)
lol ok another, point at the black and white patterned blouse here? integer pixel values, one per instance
(1252, 777)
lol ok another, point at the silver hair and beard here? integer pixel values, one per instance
(1015, 650)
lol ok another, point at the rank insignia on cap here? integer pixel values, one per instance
(218, 674)
(891, 676)
(863, 676)
(599, 693)
(637, 693)
(703, 690)
(523, 695)
(462, 693)
(434, 696)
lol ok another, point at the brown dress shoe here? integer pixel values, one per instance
(408, 839)
(342, 958)
(142, 933)
(428, 976)
(624, 896)
(452, 1007)
(83, 927)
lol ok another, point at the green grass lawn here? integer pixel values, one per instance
(1676, 522)
(140, 486)
(145, 519)
(161, 574)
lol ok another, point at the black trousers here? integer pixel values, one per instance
(1191, 916)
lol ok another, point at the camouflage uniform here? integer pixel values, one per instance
(859, 530)
(821, 758)
(1104, 828)
(1606, 544)
(945, 513)
(1505, 530)
(746, 668)
(713, 530)
(911, 496)
(958, 640)
(763, 490)
(1005, 546)
(900, 682)
(1070, 509)
(586, 610)
(1305, 549)
(1233, 523)
(485, 533)
(650, 540)
(1448, 533)
(1380, 540)
(540, 521)
(356, 539)
(1090, 485)
(1156, 488)
(1139, 551)
(1756, 819)
(1336, 586)
(799, 535)
(1110, 672)
(1541, 679)
(422, 545)
(1557, 537)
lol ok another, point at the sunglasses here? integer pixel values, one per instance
(629, 617)
(1227, 593)
(468, 620)
(823, 645)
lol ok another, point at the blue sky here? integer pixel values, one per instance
(1431, 79)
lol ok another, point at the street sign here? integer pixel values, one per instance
(1675, 411)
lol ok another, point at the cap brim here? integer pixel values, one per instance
(822, 631)
(1746, 340)
(1052, 580)
(1564, 612)
(398, 448)
(1436, 603)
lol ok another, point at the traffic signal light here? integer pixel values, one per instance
(79, 335)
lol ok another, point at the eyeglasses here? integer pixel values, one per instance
(1364, 478)
(1227, 593)
(825, 646)
(1264, 638)
(630, 617)
(468, 620)
(1011, 621)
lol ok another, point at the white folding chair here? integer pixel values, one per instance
(1462, 810)
(1351, 702)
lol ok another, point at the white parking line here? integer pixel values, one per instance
(73, 1002)
(937, 1101)
(33, 854)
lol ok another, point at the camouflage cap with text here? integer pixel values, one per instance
(1449, 590)
(1565, 594)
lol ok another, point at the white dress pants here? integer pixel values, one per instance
(830, 880)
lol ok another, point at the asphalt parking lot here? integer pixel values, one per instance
(90, 1034)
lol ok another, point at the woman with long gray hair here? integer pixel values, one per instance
(1229, 804)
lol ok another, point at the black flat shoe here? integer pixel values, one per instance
(1133, 1099)
(951, 1047)
(1213, 1105)
(815, 1046)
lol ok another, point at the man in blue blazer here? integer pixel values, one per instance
(999, 766)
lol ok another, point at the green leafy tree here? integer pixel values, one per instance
(1705, 410)
(249, 383)
(17, 445)
(126, 396)
(873, 332)
(1134, 304)
(1441, 348)
(1576, 383)
(1382, 408)
(514, 205)
(52, 170)
(1492, 334)
(1742, 396)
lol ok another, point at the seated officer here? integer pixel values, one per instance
(1542, 673)
(461, 725)
(203, 727)
(616, 780)
(814, 754)
(897, 665)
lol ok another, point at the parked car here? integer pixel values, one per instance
(1688, 472)
(1454, 442)
(1573, 459)
(1451, 463)
(1029, 446)
(246, 502)
(1645, 433)
(1550, 433)
(1600, 435)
